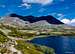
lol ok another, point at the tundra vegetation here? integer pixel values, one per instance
(15, 38)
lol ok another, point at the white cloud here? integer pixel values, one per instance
(43, 2)
(66, 21)
(73, 21)
(25, 5)
(69, 22)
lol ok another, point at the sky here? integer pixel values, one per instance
(63, 10)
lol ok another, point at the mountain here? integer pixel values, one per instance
(39, 23)
(13, 21)
(32, 19)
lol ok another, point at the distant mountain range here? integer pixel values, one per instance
(50, 19)
(31, 21)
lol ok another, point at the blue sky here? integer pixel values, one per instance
(58, 8)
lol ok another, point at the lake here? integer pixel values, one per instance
(61, 44)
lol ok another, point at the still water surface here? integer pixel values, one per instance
(62, 45)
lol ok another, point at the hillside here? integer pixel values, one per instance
(50, 19)
(15, 34)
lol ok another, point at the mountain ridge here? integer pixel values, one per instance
(50, 19)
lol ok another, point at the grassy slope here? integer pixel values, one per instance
(28, 48)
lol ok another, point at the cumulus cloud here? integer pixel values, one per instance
(69, 22)
(43, 2)
(73, 21)
(66, 21)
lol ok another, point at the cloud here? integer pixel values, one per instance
(69, 22)
(43, 2)
(66, 21)
(25, 5)
(73, 21)
(28, 6)
(28, 3)
(59, 15)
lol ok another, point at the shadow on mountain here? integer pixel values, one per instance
(50, 19)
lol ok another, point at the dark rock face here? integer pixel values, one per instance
(32, 19)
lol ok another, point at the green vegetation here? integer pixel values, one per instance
(54, 30)
(3, 37)
(19, 34)
(28, 48)
(3, 50)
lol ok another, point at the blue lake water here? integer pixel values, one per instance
(62, 45)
